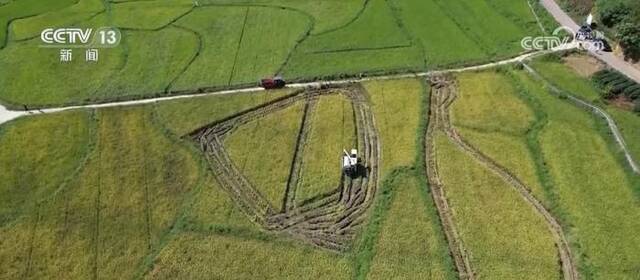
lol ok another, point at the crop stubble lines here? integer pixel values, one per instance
(328, 221)
(444, 95)
(297, 164)
(456, 247)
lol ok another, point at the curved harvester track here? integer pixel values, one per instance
(456, 247)
(445, 95)
(328, 221)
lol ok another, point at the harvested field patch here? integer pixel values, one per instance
(584, 65)
(329, 222)
(332, 130)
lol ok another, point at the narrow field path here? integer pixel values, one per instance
(613, 127)
(569, 268)
(7, 115)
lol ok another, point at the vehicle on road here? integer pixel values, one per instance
(273, 83)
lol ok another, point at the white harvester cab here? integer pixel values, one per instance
(350, 160)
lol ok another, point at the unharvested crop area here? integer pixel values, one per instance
(209, 44)
(565, 157)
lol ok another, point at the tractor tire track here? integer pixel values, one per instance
(569, 269)
(456, 246)
(327, 221)
(296, 166)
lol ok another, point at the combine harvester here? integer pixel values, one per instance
(350, 163)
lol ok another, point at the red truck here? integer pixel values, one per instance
(273, 83)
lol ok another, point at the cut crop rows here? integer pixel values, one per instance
(328, 221)
(444, 94)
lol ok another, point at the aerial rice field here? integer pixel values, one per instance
(332, 131)
(605, 198)
(271, 142)
(250, 185)
(205, 45)
(504, 237)
(132, 172)
(563, 77)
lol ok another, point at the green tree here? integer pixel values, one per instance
(613, 12)
(629, 36)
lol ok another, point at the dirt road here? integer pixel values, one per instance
(609, 58)
(8, 115)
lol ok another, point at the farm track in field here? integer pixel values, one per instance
(456, 246)
(8, 115)
(297, 164)
(328, 221)
(444, 96)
